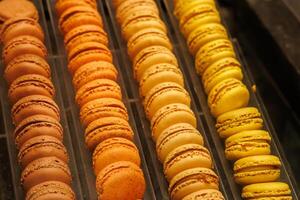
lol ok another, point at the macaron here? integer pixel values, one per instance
(34, 105)
(204, 34)
(45, 169)
(76, 16)
(145, 38)
(212, 52)
(104, 107)
(120, 180)
(31, 84)
(228, 95)
(151, 56)
(37, 125)
(181, 7)
(17, 8)
(169, 115)
(243, 119)
(185, 157)
(174, 136)
(94, 70)
(270, 190)
(50, 190)
(205, 194)
(113, 150)
(19, 26)
(23, 45)
(98, 88)
(247, 143)
(26, 64)
(156, 74)
(220, 70)
(256, 169)
(87, 52)
(104, 128)
(85, 33)
(192, 180)
(41, 146)
(163, 94)
(62, 5)
(197, 16)
(140, 20)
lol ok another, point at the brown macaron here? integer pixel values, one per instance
(26, 64)
(31, 84)
(45, 169)
(41, 146)
(23, 45)
(37, 125)
(34, 105)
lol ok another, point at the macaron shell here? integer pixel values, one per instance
(186, 157)
(192, 180)
(124, 175)
(205, 194)
(37, 125)
(114, 150)
(182, 7)
(169, 115)
(175, 136)
(45, 169)
(50, 190)
(228, 95)
(62, 5)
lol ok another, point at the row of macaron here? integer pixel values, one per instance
(108, 134)
(187, 163)
(228, 99)
(38, 133)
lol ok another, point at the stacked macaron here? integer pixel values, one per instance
(108, 134)
(38, 133)
(217, 64)
(187, 163)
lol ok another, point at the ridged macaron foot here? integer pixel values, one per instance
(169, 115)
(185, 157)
(192, 180)
(211, 52)
(31, 84)
(181, 7)
(104, 128)
(204, 34)
(19, 26)
(205, 194)
(37, 125)
(76, 16)
(23, 45)
(104, 107)
(243, 119)
(26, 64)
(221, 70)
(94, 70)
(34, 105)
(151, 56)
(113, 150)
(98, 88)
(45, 169)
(62, 5)
(51, 190)
(197, 16)
(157, 74)
(85, 33)
(88, 52)
(119, 181)
(145, 38)
(270, 190)
(163, 94)
(228, 95)
(256, 169)
(174, 136)
(41, 146)
(141, 20)
(247, 143)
